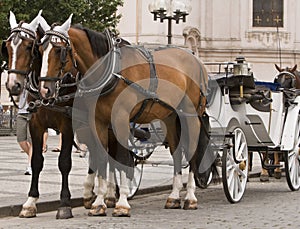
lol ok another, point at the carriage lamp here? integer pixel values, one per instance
(170, 10)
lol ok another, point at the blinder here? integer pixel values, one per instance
(286, 79)
(63, 54)
(4, 51)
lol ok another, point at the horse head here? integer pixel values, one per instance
(20, 50)
(288, 77)
(57, 58)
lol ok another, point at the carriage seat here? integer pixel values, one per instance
(259, 97)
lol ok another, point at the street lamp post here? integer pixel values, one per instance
(170, 10)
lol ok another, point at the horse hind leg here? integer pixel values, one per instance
(122, 206)
(190, 202)
(173, 200)
(110, 198)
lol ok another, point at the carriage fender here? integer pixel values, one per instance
(291, 126)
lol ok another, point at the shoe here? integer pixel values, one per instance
(56, 150)
(82, 153)
(45, 149)
(28, 171)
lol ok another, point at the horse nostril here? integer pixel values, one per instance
(49, 92)
(16, 89)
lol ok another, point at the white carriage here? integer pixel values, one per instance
(248, 116)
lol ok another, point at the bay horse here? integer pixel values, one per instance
(24, 63)
(177, 91)
(287, 78)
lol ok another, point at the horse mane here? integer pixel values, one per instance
(98, 40)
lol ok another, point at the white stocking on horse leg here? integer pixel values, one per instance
(99, 206)
(110, 198)
(173, 201)
(88, 193)
(122, 206)
(29, 208)
(190, 202)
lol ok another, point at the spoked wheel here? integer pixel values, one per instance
(235, 170)
(292, 164)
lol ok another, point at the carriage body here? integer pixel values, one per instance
(248, 116)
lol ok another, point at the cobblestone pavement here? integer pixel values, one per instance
(265, 205)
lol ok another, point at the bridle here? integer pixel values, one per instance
(15, 36)
(279, 78)
(64, 50)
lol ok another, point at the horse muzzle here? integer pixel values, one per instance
(15, 89)
(47, 92)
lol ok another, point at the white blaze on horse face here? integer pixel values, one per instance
(12, 77)
(45, 61)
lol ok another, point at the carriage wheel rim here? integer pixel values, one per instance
(236, 178)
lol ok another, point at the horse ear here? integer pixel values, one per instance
(278, 68)
(43, 23)
(35, 22)
(66, 26)
(12, 20)
(294, 68)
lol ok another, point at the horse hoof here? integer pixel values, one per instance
(264, 178)
(190, 205)
(28, 212)
(277, 175)
(99, 210)
(87, 202)
(110, 202)
(172, 204)
(120, 211)
(64, 213)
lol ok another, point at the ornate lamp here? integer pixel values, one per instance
(170, 10)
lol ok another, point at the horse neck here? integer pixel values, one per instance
(84, 50)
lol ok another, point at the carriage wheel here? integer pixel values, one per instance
(292, 164)
(234, 173)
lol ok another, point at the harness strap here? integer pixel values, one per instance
(153, 83)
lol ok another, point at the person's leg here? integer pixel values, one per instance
(57, 149)
(45, 138)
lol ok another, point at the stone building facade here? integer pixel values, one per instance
(219, 31)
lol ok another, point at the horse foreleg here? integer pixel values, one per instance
(264, 175)
(29, 207)
(88, 194)
(190, 202)
(277, 171)
(64, 165)
(99, 207)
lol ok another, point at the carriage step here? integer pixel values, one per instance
(268, 166)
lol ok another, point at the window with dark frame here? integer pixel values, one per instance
(267, 13)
